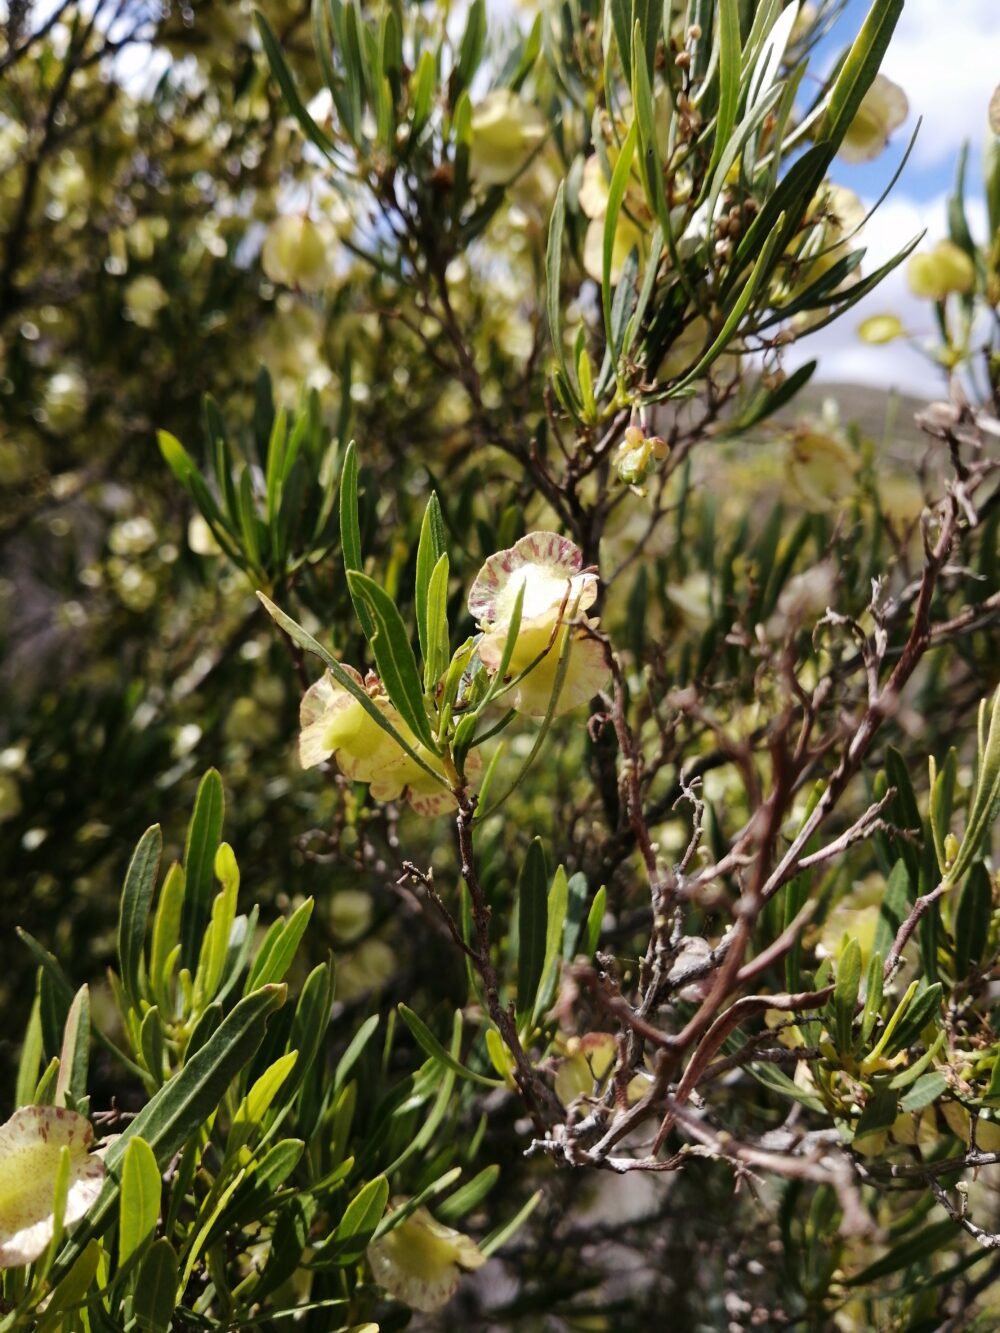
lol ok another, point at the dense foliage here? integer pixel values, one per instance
(611, 758)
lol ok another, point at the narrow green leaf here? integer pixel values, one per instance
(942, 803)
(430, 548)
(436, 652)
(208, 1023)
(473, 43)
(765, 402)
(354, 1050)
(759, 274)
(180, 1109)
(509, 644)
(51, 970)
(531, 928)
(311, 1023)
(873, 995)
(404, 1210)
(912, 1072)
(926, 1090)
(361, 1216)
(576, 911)
(455, 1207)
(422, 86)
(616, 195)
(166, 933)
(912, 1249)
(350, 532)
(844, 300)
(769, 1076)
(858, 71)
(139, 1208)
(730, 61)
(553, 281)
(285, 80)
(202, 843)
(154, 1303)
(972, 919)
(250, 525)
(394, 657)
(137, 895)
(70, 1293)
(215, 946)
(151, 1044)
(894, 907)
(880, 1112)
(985, 803)
(845, 995)
(918, 1014)
(249, 1118)
(595, 918)
(30, 1058)
(279, 949)
(558, 902)
(426, 1039)
(74, 1057)
(498, 1238)
(306, 641)
(991, 1097)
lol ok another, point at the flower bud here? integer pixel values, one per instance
(638, 455)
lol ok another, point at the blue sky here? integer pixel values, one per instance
(948, 120)
(945, 54)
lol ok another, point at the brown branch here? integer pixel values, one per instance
(534, 1091)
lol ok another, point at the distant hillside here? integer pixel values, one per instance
(872, 409)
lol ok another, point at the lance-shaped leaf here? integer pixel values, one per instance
(985, 803)
(616, 197)
(972, 919)
(427, 1040)
(553, 285)
(215, 944)
(75, 1054)
(730, 60)
(361, 1216)
(350, 532)
(203, 836)
(942, 784)
(179, 1109)
(436, 649)
(430, 549)
(286, 82)
(140, 1199)
(394, 655)
(531, 926)
(558, 902)
(758, 276)
(858, 71)
(343, 678)
(137, 895)
(454, 1208)
(32, 1146)
(155, 1301)
(845, 995)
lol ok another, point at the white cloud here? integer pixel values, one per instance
(947, 58)
(842, 356)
